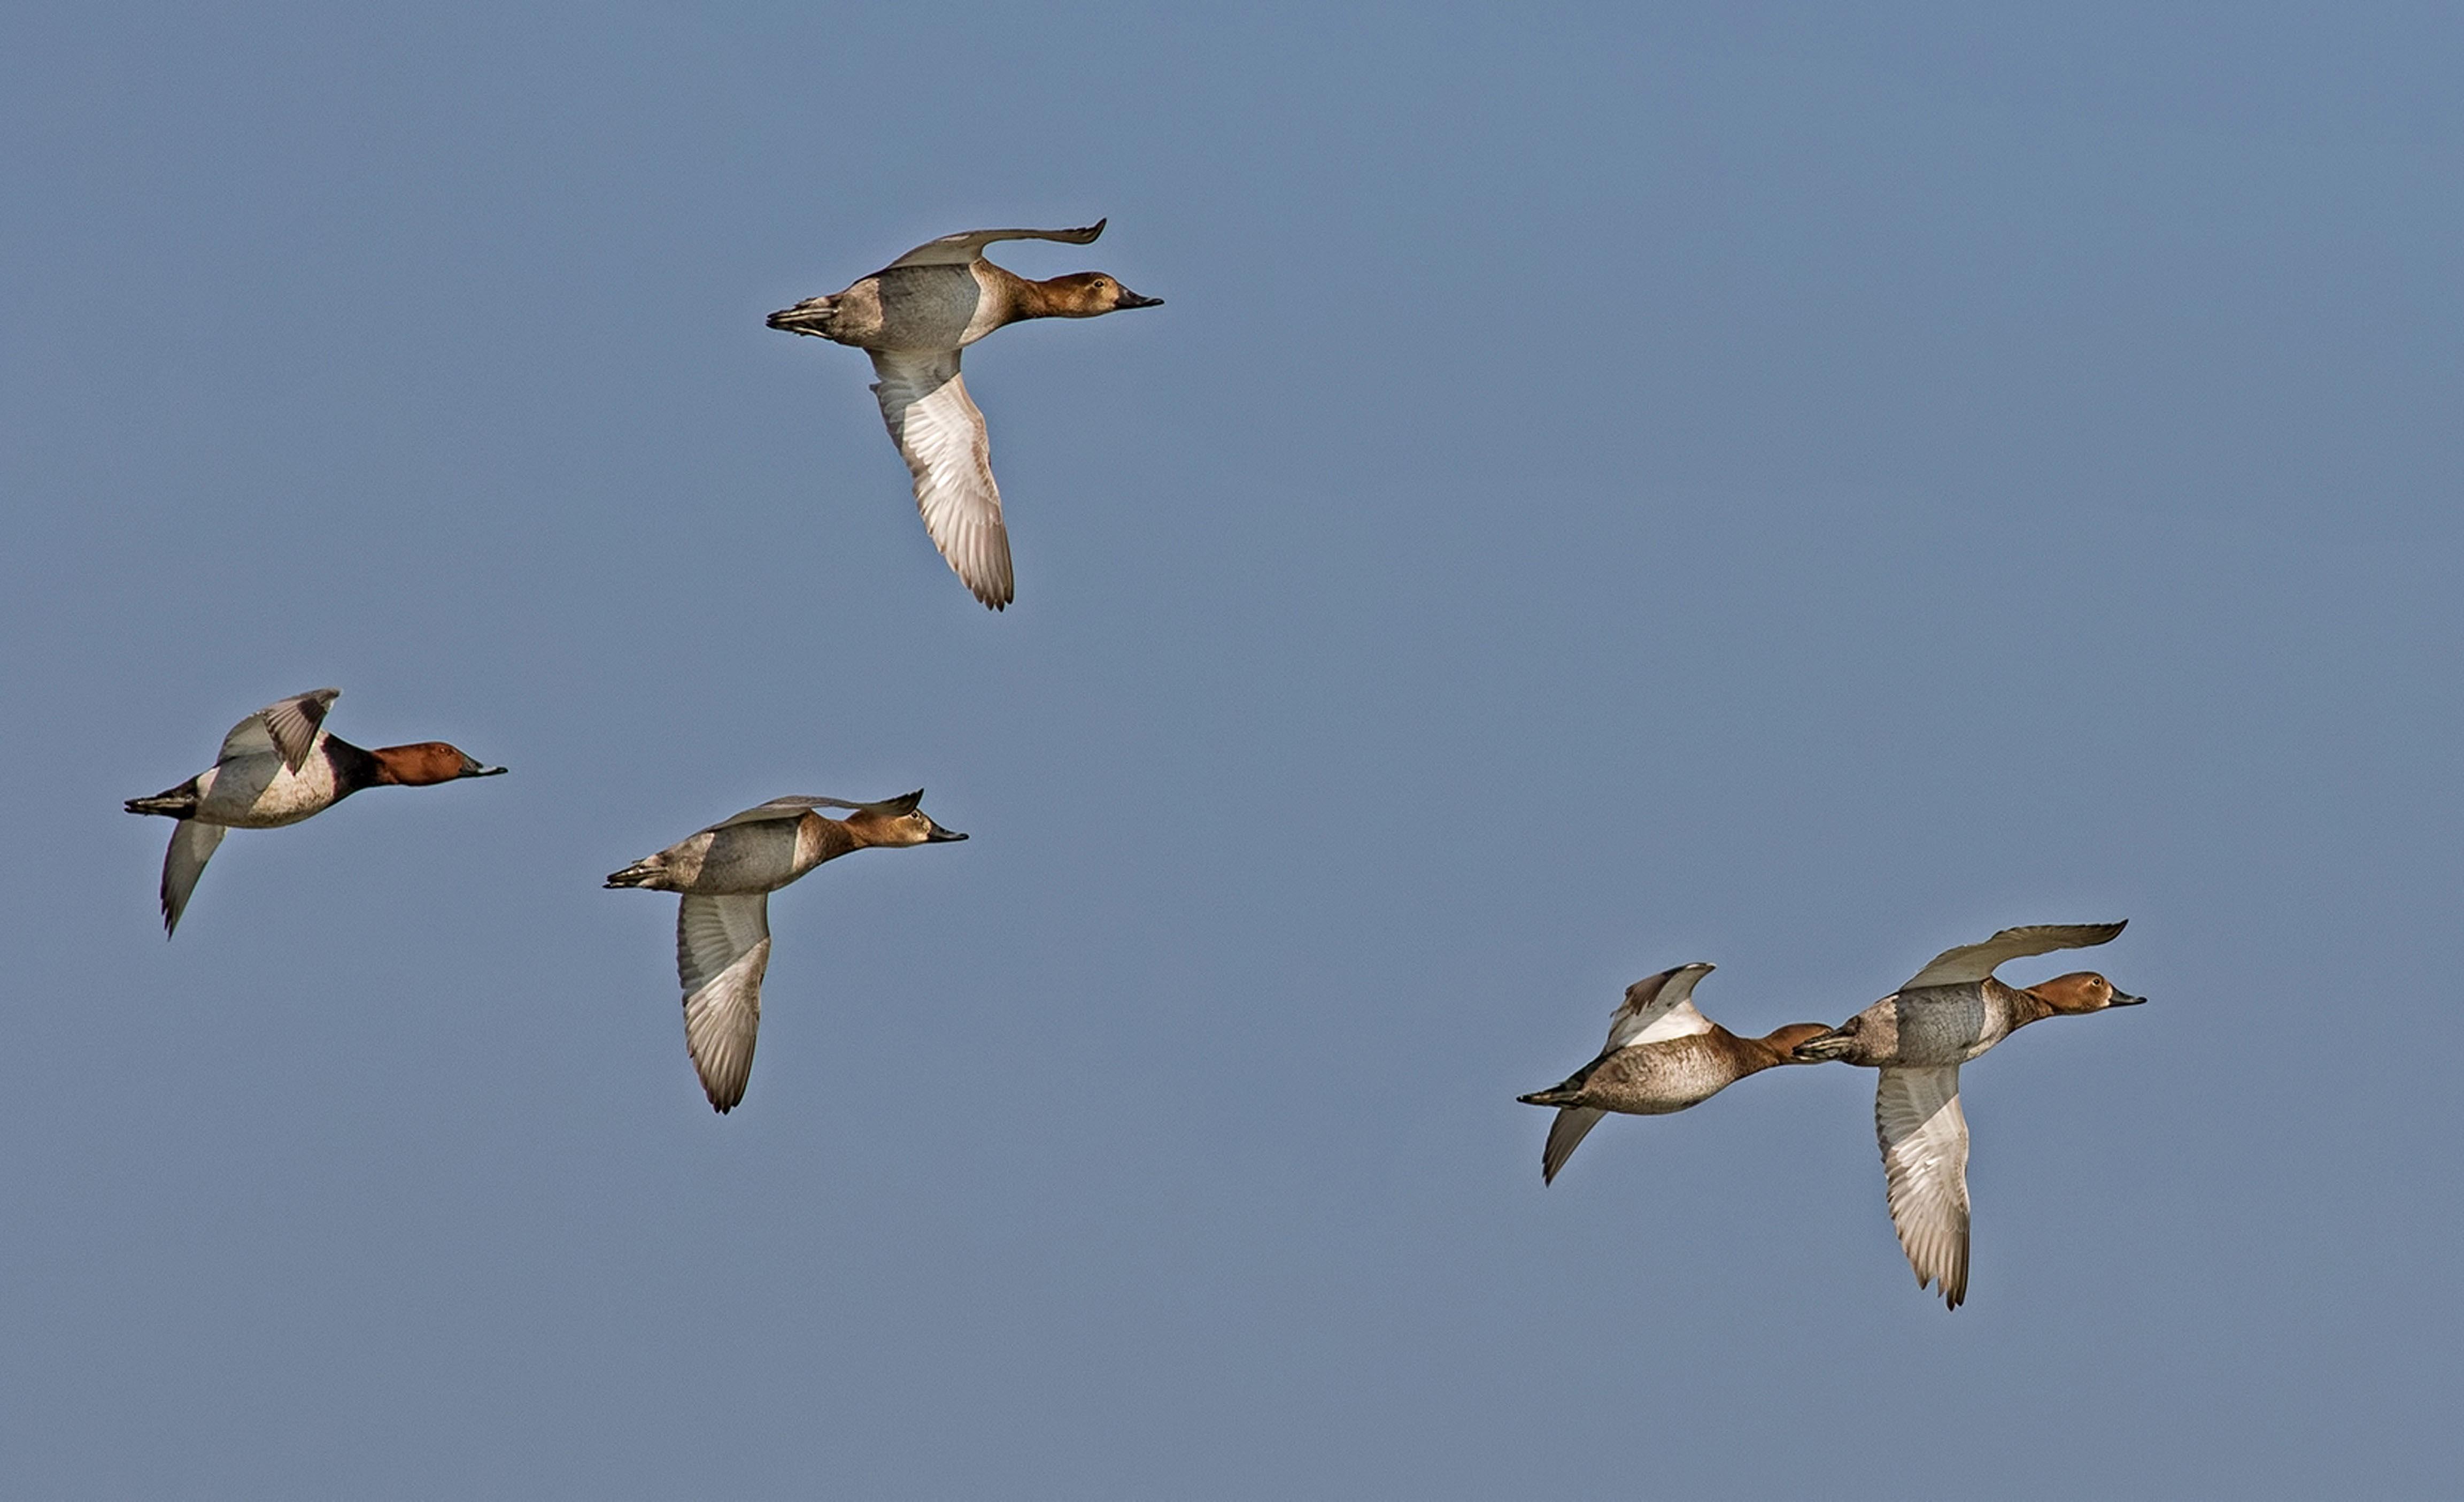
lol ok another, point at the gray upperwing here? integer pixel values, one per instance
(1654, 1000)
(964, 246)
(793, 805)
(286, 727)
(774, 808)
(1975, 961)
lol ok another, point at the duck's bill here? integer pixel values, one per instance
(472, 768)
(943, 836)
(2125, 999)
(1129, 299)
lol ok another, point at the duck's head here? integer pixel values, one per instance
(898, 821)
(428, 762)
(1090, 294)
(2081, 991)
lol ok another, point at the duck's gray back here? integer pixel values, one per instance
(1940, 1024)
(927, 307)
(746, 858)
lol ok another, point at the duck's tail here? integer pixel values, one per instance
(813, 316)
(649, 871)
(1565, 1095)
(180, 803)
(1824, 1046)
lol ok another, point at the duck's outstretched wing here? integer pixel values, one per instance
(794, 805)
(1975, 961)
(288, 726)
(1656, 1007)
(192, 845)
(723, 948)
(1566, 1134)
(940, 433)
(1924, 1158)
(960, 250)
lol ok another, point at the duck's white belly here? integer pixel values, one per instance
(261, 792)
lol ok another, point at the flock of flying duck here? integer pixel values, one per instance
(913, 317)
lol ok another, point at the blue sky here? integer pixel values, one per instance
(1608, 488)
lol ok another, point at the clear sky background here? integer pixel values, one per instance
(1608, 488)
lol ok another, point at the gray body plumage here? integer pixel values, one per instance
(1931, 1026)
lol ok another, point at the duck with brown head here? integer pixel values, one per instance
(725, 875)
(913, 317)
(424, 763)
(1663, 1056)
(279, 767)
(1950, 1012)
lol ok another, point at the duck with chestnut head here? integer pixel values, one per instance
(1947, 1013)
(1663, 1056)
(913, 317)
(279, 767)
(726, 874)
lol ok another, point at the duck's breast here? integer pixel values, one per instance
(262, 792)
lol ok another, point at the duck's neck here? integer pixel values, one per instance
(2024, 1006)
(1756, 1053)
(1033, 299)
(828, 839)
(354, 767)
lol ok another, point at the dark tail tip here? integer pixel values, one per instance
(1822, 1047)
